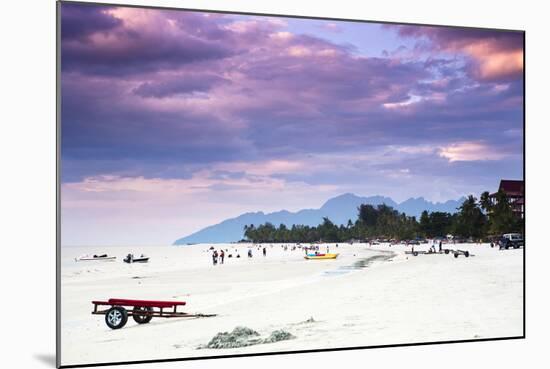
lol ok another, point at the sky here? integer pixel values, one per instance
(175, 120)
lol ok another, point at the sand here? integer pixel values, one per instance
(369, 295)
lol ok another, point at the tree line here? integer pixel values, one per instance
(474, 219)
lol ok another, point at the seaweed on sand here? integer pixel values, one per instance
(278, 335)
(242, 337)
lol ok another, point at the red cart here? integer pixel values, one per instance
(116, 316)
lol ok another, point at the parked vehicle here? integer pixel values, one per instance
(514, 240)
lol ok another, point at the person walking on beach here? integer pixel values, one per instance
(222, 255)
(215, 257)
(264, 251)
(249, 253)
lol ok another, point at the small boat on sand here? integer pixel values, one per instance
(130, 258)
(320, 256)
(102, 257)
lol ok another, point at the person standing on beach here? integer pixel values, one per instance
(439, 245)
(264, 251)
(222, 255)
(215, 257)
(249, 253)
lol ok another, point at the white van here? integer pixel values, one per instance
(513, 236)
(508, 240)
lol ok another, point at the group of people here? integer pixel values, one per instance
(432, 248)
(218, 257)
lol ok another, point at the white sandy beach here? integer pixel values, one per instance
(404, 299)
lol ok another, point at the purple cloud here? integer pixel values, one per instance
(179, 84)
(165, 94)
(80, 21)
(493, 55)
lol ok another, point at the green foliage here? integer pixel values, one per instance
(470, 222)
(382, 221)
(502, 218)
(473, 220)
(436, 224)
(485, 202)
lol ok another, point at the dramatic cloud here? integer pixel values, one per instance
(227, 113)
(80, 21)
(139, 40)
(495, 55)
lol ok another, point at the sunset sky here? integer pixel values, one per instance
(175, 120)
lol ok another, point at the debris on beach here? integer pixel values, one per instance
(278, 335)
(239, 337)
(244, 336)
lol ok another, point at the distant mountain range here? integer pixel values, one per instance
(338, 209)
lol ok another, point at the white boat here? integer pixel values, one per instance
(101, 257)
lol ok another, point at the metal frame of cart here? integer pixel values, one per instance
(456, 253)
(142, 311)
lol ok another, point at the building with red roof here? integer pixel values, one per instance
(515, 194)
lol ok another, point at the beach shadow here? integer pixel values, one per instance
(48, 359)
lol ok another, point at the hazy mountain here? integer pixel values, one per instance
(339, 209)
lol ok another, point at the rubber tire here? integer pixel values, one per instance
(123, 321)
(516, 246)
(446, 251)
(415, 253)
(456, 254)
(506, 247)
(466, 253)
(140, 319)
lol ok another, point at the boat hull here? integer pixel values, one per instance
(109, 258)
(140, 260)
(321, 257)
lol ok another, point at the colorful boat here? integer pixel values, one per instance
(320, 256)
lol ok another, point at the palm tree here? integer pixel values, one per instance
(485, 202)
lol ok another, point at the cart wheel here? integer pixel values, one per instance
(466, 253)
(456, 254)
(116, 317)
(142, 319)
(446, 251)
(415, 253)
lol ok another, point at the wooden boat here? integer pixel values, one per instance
(102, 257)
(320, 256)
